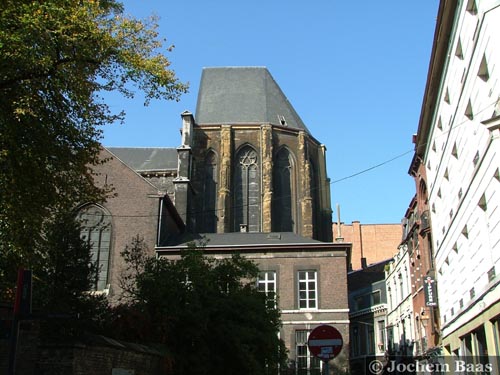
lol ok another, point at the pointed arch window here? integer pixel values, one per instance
(96, 232)
(246, 208)
(210, 193)
(283, 211)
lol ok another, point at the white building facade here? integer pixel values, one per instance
(458, 142)
(400, 326)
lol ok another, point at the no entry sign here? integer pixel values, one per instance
(325, 342)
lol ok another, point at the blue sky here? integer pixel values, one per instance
(354, 71)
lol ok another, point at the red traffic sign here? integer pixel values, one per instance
(325, 342)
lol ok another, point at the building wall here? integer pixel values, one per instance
(374, 242)
(311, 200)
(367, 314)
(332, 307)
(400, 320)
(332, 292)
(134, 210)
(458, 142)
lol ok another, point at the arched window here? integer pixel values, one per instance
(96, 232)
(209, 221)
(246, 210)
(283, 197)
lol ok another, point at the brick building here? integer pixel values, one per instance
(248, 177)
(136, 207)
(371, 243)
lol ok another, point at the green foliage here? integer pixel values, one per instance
(56, 57)
(62, 283)
(207, 312)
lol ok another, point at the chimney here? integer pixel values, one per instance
(363, 263)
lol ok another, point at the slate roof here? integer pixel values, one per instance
(142, 159)
(238, 238)
(243, 95)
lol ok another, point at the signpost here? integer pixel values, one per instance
(325, 342)
(430, 292)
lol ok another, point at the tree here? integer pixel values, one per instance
(61, 285)
(207, 312)
(56, 58)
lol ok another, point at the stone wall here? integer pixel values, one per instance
(99, 359)
(97, 356)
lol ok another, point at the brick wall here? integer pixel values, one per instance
(97, 357)
(134, 210)
(99, 360)
(374, 242)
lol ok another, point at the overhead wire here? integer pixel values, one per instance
(444, 132)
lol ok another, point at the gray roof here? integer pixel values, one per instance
(142, 159)
(239, 238)
(243, 95)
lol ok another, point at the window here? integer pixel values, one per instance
(483, 72)
(476, 159)
(491, 274)
(454, 152)
(401, 286)
(308, 298)
(305, 362)
(247, 191)
(361, 302)
(370, 341)
(381, 335)
(389, 298)
(355, 341)
(459, 51)
(465, 231)
(209, 221)
(471, 7)
(282, 207)
(447, 96)
(474, 348)
(482, 202)
(96, 232)
(266, 283)
(468, 111)
(376, 298)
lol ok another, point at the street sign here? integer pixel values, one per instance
(325, 342)
(430, 292)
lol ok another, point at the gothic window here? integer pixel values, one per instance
(246, 209)
(283, 174)
(96, 232)
(210, 193)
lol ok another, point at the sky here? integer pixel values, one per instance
(355, 72)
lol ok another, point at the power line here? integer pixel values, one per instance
(373, 167)
(445, 132)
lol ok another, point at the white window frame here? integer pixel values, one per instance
(303, 286)
(267, 285)
(312, 364)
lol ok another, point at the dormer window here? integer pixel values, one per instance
(282, 120)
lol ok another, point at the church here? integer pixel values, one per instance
(247, 177)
